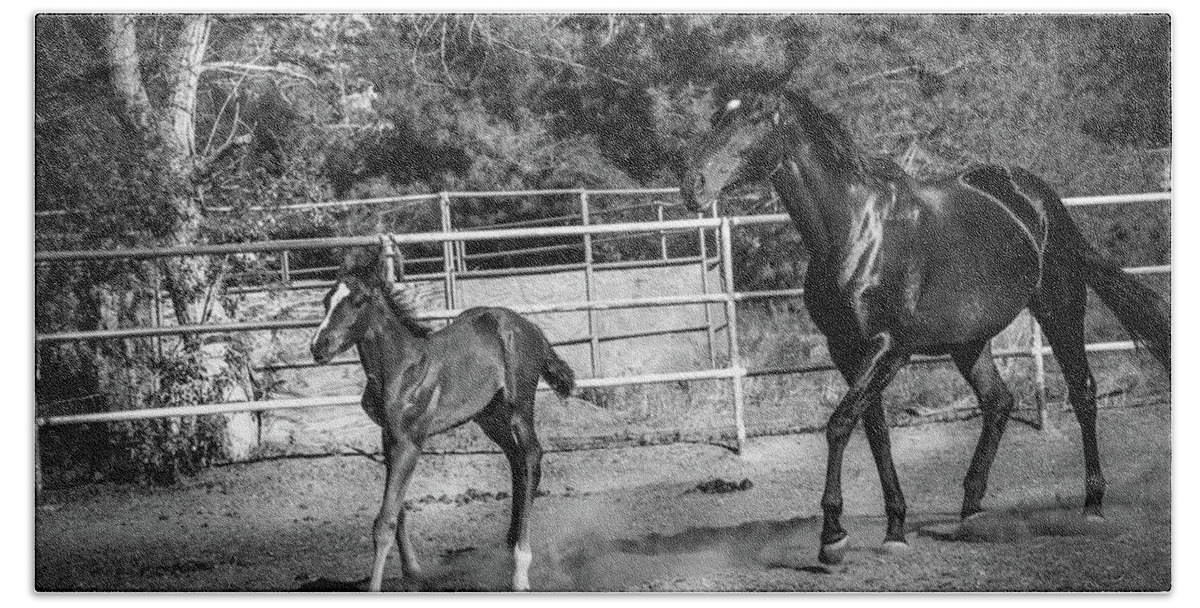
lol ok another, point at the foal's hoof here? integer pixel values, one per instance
(833, 553)
(894, 547)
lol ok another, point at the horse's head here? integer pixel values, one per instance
(359, 285)
(736, 157)
(752, 137)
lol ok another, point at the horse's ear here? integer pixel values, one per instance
(775, 117)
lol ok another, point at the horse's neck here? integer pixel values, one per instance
(388, 346)
(824, 206)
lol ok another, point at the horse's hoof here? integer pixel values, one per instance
(1094, 518)
(894, 547)
(833, 553)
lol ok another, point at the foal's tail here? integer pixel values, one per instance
(557, 373)
(1141, 310)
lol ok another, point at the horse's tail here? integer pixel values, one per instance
(557, 373)
(1142, 311)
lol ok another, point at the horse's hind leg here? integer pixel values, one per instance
(400, 454)
(996, 402)
(512, 429)
(1062, 321)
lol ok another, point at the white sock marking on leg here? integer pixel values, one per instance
(522, 557)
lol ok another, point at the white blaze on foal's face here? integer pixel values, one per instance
(338, 295)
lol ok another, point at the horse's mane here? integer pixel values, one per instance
(834, 142)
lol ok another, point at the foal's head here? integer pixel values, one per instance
(359, 286)
(751, 137)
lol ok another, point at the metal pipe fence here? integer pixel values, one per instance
(453, 248)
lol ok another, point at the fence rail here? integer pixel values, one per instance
(453, 253)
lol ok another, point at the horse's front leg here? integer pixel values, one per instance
(884, 360)
(400, 453)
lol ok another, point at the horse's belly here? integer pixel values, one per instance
(968, 314)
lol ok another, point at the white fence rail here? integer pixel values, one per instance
(453, 250)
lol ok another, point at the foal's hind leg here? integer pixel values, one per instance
(530, 452)
(512, 429)
(996, 402)
(1063, 324)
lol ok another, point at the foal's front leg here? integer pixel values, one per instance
(878, 370)
(400, 454)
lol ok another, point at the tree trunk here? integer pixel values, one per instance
(168, 137)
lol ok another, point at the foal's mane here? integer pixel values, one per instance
(405, 310)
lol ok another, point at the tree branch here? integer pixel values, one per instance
(240, 68)
(225, 104)
(561, 60)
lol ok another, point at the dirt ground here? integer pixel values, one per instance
(632, 519)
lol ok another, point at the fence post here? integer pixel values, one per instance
(285, 268)
(37, 448)
(1039, 372)
(593, 336)
(735, 360)
(158, 314)
(462, 256)
(37, 465)
(447, 253)
(708, 322)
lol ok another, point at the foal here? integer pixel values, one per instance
(484, 366)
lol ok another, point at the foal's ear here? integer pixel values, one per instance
(361, 262)
(381, 272)
(776, 118)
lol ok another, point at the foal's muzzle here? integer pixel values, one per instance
(321, 353)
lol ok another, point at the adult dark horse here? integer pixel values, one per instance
(483, 367)
(900, 267)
